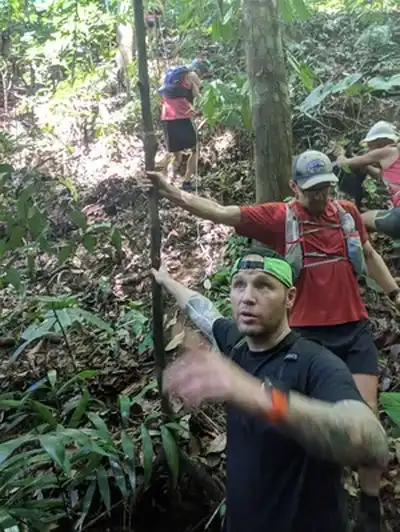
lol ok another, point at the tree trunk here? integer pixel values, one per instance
(269, 100)
(150, 148)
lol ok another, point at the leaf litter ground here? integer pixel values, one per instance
(108, 176)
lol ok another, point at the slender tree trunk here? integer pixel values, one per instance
(269, 100)
(150, 148)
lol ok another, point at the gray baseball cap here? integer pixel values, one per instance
(311, 168)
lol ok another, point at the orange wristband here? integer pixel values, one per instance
(280, 404)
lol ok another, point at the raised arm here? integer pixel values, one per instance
(204, 208)
(369, 158)
(344, 431)
(200, 309)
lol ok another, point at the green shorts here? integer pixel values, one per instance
(388, 222)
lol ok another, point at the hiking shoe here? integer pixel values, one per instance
(369, 514)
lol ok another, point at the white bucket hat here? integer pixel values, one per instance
(381, 130)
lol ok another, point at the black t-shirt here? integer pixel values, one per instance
(273, 484)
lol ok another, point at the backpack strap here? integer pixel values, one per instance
(240, 343)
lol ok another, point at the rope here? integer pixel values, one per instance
(198, 222)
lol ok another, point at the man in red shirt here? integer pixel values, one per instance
(324, 247)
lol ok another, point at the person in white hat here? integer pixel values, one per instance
(382, 161)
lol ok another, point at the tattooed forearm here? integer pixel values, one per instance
(203, 313)
(346, 432)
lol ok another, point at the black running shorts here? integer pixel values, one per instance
(179, 135)
(388, 222)
(352, 342)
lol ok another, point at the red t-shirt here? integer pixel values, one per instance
(327, 294)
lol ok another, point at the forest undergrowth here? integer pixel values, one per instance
(76, 364)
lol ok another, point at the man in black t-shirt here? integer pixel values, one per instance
(295, 417)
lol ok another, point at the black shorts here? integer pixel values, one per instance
(388, 222)
(352, 342)
(179, 135)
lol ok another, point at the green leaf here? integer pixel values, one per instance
(89, 242)
(79, 219)
(86, 471)
(6, 169)
(37, 222)
(65, 319)
(104, 488)
(79, 411)
(116, 240)
(99, 424)
(171, 452)
(17, 238)
(128, 448)
(391, 404)
(45, 412)
(65, 253)
(124, 407)
(13, 277)
(10, 446)
(5, 404)
(52, 376)
(94, 320)
(83, 375)
(119, 477)
(147, 454)
(88, 498)
(54, 447)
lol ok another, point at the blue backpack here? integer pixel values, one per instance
(172, 86)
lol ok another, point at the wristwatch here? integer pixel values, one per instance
(278, 395)
(393, 294)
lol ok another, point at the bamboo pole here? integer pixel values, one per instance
(150, 148)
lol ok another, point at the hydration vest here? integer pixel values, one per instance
(294, 238)
(172, 85)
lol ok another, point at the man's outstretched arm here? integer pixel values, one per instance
(201, 207)
(199, 309)
(345, 431)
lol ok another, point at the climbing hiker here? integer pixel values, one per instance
(181, 85)
(382, 161)
(152, 19)
(126, 53)
(295, 417)
(326, 243)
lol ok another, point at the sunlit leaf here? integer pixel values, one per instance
(52, 376)
(391, 404)
(124, 407)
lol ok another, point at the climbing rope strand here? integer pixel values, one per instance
(196, 178)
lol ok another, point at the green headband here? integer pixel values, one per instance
(278, 268)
